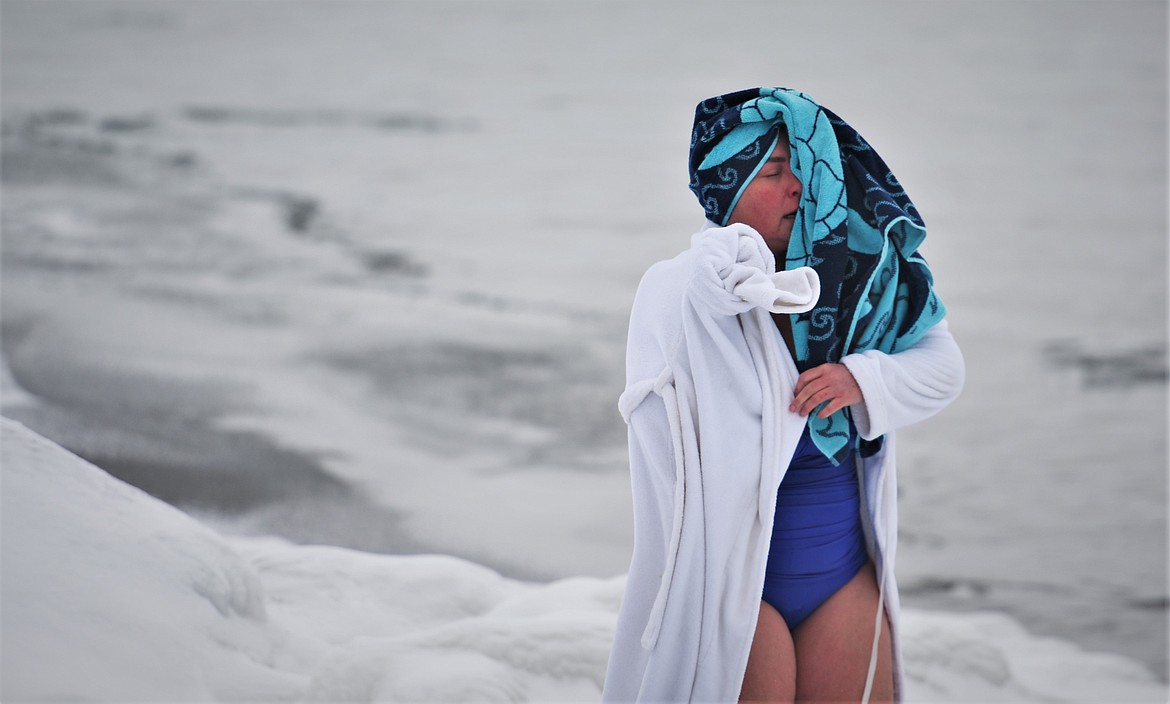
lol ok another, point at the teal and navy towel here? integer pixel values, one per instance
(855, 226)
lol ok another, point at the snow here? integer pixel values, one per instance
(112, 595)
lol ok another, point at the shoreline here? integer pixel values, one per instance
(237, 481)
(240, 483)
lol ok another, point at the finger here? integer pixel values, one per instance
(832, 407)
(809, 376)
(808, 392)
(806, 383)
(815, 400)
(829, 372)
(847, 394)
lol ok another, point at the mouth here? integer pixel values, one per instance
(790, 216)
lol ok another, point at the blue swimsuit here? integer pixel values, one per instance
(817, 540)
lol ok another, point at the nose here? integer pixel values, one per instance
(794, 186)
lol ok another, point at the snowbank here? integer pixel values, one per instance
(110, 595)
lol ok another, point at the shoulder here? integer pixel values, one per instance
(666, 279)
(661, 290)
(656, 315)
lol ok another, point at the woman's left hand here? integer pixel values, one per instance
(829, 382)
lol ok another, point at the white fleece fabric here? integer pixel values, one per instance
(708, 383)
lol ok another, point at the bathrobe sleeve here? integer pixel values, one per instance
(655, 330)
(652, 484)
(906, 387)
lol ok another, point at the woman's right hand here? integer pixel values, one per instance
(829, 383)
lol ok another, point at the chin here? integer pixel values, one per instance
(779, 249)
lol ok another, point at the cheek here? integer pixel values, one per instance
(768, 198)
(760, 204)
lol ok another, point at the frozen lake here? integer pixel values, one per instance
(358, 273)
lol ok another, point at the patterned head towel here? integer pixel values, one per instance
(855, 226)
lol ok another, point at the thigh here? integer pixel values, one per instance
(834, 643)
(771, 668)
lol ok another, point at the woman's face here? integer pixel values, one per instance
(770, 201)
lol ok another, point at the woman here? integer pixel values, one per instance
(767, 368)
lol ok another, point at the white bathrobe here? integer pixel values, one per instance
(708, 383)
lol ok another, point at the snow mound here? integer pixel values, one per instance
(989, 657)
(111, 595)
(437, 628)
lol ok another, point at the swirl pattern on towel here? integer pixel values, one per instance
(855, 226)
